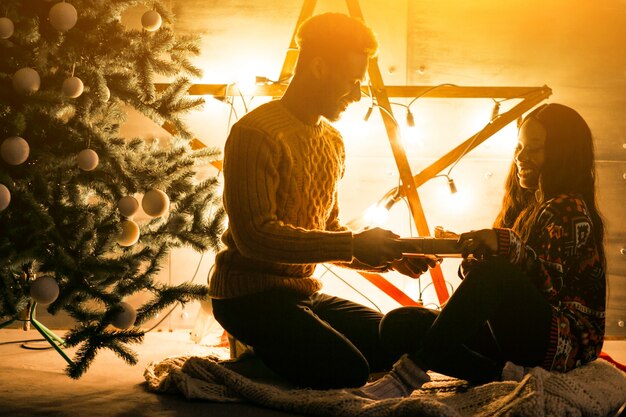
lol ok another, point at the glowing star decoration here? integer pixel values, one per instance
(155, 203)
(6, 28)
(87, 159)
(26, 81)
(128, 206)
(129, 234)
(72, 87)
(14, 150)
(151, 20)
(5, 197)
(126, 317)
(63, 16)
(44, 290)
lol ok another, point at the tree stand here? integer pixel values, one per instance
(27, 316)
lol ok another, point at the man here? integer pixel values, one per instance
(282, 163)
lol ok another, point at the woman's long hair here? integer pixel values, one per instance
(568, 168)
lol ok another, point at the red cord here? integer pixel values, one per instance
(606, 357)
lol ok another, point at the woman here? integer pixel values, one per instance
(534, 287)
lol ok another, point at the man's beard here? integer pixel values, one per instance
(334, 113)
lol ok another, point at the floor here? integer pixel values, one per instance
(33, 382)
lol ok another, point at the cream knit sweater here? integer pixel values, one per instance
(280, 194)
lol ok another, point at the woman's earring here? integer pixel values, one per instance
(539, 195)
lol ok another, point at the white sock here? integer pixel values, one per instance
(513, 372)
(401, 381)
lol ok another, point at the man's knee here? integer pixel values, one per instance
(402, 329)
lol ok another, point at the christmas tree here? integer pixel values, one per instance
(70, 184)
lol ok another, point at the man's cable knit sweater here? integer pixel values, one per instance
(280, 194)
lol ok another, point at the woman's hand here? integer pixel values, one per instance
(479, 243)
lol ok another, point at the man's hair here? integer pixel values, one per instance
(334, 35)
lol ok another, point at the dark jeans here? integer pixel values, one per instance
(318, 341)
(495, 315)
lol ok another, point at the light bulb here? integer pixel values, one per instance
(246, 84)
(410, 120)
(368, 114)
(495, 112)
(452, 186)
(376, 215)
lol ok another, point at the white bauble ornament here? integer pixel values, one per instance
(63, 16)
(128, 205)
(151, 20)
(87, 160)
(125, 318)
(72, 87)
(26, 81)
(6, 28)
(106, 94)
(14, 150)
(155, 203)
(44, 289)
(5, 197)
(129, 235)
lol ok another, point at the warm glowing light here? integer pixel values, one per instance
(246, 83)
(352, 128)
(504, 140)
(376, 215)
(412, 137)
(457, 203)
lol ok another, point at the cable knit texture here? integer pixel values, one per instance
(595, 390)
(280, 194)
(561, 257)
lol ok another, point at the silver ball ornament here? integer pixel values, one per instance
(6, 28)
(44, 289)
(155, 203)
(14, 150)
(5, 197)
(125, 318)
(128, 206)
(63, 16)
(72, 87)
(26, 81)
(87, 159)
(129, 235)
(151, 20)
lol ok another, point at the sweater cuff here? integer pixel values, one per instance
(510, 246)
(504, 241)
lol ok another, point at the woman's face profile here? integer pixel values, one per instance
(530, 154)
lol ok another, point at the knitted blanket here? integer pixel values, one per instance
(596, 389)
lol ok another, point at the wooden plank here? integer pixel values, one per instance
(484, 134)
(406, 176)
(399, 91)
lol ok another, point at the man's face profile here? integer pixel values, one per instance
(342, 85)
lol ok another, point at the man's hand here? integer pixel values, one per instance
(467, 264)
(377, 247)
(414, 266)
